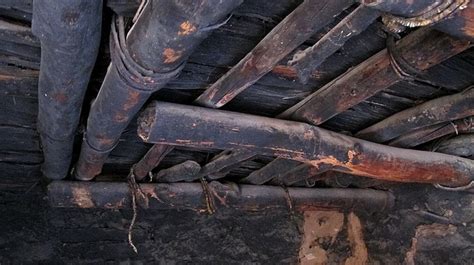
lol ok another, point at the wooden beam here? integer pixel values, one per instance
(432, 132)
(190, 196)
(461, 145)
(224, 162)
(186, 171)
(297, 27)
(421, 49)
(206, 128)
(435, 111)
(274, 169)
(308, 60)
(150, 160)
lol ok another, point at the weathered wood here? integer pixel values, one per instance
(421, 49)
(435, 111)
(152, 53)
(297, 174)
(186, 171)
(307, 61)
(462, 145)
(303, 22)
(432, 132)
(274, 169)
(150, 160)
(190, 196)
(192, 126)
(224, 162)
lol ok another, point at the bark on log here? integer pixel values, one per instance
(297, 27)
(435, 111)
(207, 128)
(429, 133)
(190, 196)
(164, 35)
(421, 49)
(308, 60)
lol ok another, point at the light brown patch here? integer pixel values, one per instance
(186, 28)
(433, 230)
(171, 55)
(318, 225)
(356, 238)
(82, 197)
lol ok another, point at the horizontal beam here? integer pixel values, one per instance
(208, 128)
(190, 196)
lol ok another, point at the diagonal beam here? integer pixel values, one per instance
(302, 23)
(432, 132)
(207, 128)
(435, 111)
(419, 51)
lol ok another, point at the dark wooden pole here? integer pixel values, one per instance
(432, 132)
(152, 53)
(421, 49)
(190, 196)
(435, 111)
(207, 128)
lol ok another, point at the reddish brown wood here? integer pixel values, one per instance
(189, 196)
(207, 128)
(435, 111)
(297, 27)
(432, 132)
(421, 49)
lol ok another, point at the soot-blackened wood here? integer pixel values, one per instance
(186, 171)
(152, 53)
(69, 32)
(274, 169)
(190, 196)
(224, 162)
(429, 133)
(308, 60)
(435, 111)
(462, 145)
(150, 160)
(207, 128)
(297, 27)
(301, 172)
(421, 49)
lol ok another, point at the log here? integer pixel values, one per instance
(308, 60)
(297, 27)
(421, 49)
(189, 196)
(432, 132)
(297, 174)
(186, 171)
(206, 128)
(435, 111)
(152, 53)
